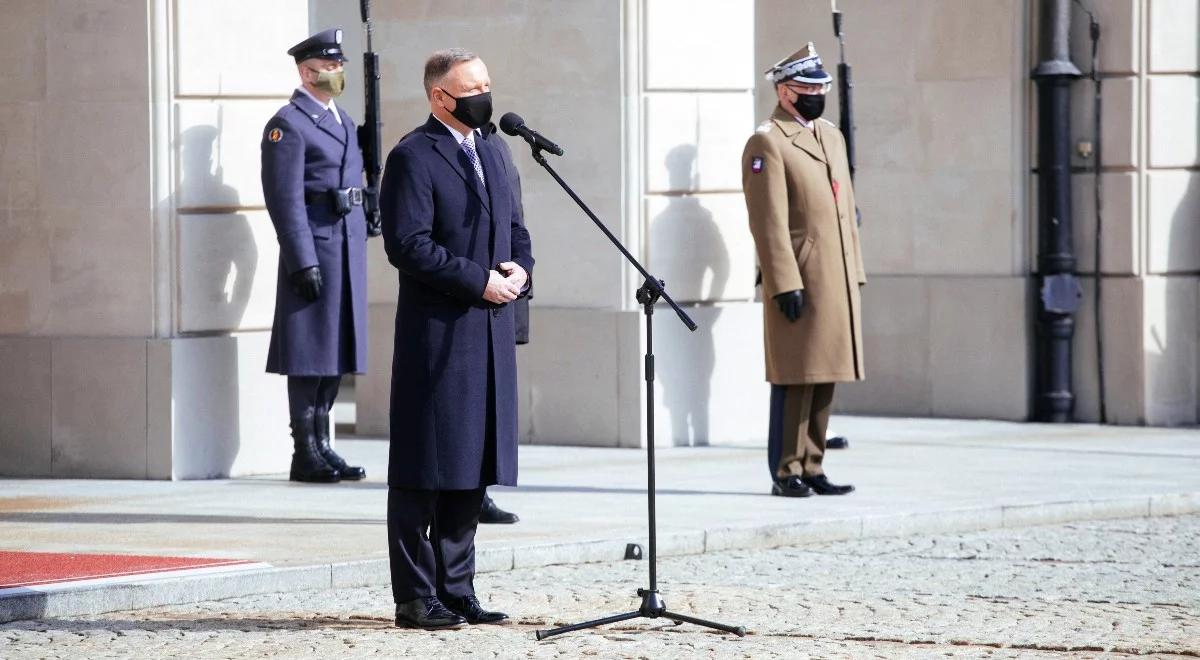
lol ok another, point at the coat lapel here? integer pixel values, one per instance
(827, 141)
(800, 136)
(322, 118)
(450, 150)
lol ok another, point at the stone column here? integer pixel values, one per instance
(1150, 202)
(561, 67)
(698, 91)
(137, 275)
(1167, 123)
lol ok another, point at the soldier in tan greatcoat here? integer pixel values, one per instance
(802, 214)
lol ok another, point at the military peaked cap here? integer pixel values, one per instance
(326, 45)
(803, 66)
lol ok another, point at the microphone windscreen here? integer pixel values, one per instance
(510, 122)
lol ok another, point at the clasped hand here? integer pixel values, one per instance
(506, 283)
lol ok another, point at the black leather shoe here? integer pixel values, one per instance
(428, 613)
(307, 464)
(790, 487)
(490, 514)
(468, 607)
(345, 472)
(837, 442)
(821, 486)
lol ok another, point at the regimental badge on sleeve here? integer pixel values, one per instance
(756, 164)
(275, 135)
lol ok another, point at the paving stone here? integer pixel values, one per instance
(1121, 588)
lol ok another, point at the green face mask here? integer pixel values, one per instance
(332, 83)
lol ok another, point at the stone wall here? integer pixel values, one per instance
(940, 109)
(137, 263)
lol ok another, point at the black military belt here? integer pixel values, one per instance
(341, 200)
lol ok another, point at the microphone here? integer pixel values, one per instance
(512, 124)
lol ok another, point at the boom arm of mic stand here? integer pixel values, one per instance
(651, 281)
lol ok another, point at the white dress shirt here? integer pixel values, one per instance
(337, 116)
(459, 137)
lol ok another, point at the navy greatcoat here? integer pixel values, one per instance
(454, 371)
(305, 150)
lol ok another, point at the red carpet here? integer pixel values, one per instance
(26, 569)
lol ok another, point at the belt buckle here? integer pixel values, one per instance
(356, 196)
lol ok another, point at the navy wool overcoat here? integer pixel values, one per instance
(305, 150)
(454, 370)
(520, 305)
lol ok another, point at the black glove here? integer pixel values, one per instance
(790, 303)
(306, 282)
(371, 208)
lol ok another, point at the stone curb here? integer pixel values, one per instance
(141, 594)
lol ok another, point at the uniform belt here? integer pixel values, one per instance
(339, 199)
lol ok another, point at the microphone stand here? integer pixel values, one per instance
(648, 294)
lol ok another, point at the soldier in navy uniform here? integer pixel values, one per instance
(312, 176)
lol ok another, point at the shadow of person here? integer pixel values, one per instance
(1173, 396)
(686, 247)
(220, 259)
(228, 265)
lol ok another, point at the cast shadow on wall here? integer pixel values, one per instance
(687, 250)
(1171, 366)
(226, 270)
(217, 276)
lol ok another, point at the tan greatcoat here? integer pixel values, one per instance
(802, 216)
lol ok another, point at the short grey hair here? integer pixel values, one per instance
(440, 63)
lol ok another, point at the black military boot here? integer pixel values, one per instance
(346, 472)
(307, 464)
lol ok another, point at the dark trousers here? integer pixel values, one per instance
(799, 419)
(431, 542)
(311, 393)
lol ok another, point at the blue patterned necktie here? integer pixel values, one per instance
(468, 145)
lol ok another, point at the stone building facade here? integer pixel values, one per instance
(137, 262)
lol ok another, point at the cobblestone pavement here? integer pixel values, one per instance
(1112, 589)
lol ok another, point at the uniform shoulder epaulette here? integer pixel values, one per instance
(764, 127)
(828, 122)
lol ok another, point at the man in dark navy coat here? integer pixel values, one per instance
(312, 176)
(452, 229)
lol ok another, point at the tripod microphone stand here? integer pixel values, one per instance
(648, 294)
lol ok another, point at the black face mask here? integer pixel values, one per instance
(810, 106)
(474, 111)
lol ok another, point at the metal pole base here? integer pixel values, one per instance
(652, 607)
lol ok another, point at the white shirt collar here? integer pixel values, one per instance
(804, 122)
(328, 106)
(458, 137)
